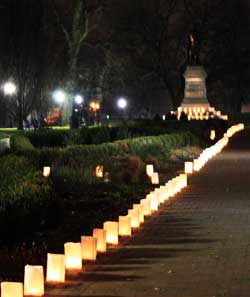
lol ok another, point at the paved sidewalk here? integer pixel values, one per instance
(197, 245)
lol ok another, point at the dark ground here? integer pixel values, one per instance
(197, 245)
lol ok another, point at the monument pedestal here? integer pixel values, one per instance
(195, 88)
(195, 104)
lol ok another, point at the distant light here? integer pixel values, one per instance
(164, 117)
(59, 96)
(94, 106)
(122, 103)
(76, 110)
(107, 116)
(78, 99)
(9, 88)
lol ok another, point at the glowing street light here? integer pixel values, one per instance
(94, 106)
(9, 88)
(122, 103)
(59, 96)
(78, 99)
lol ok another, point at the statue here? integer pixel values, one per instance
(193, 51)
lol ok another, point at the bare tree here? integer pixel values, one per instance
(85, 19)
(24, 54)
(153, 34)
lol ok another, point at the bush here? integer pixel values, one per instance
(48, 137)
(131, 129)
(158, 146)
(24, 196)
(19, 142)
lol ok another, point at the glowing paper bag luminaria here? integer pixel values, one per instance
(73, 255)
(55, 268)
(33, 280)
(89, 248)
(125, 225)
(100, 235)
(11, 289)
(112, 231)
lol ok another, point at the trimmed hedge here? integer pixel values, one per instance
(96, 135)
(20, 142)
(159, 146)
(24, 195)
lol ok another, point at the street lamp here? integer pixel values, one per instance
(95, 106)
(59, 96)
(122, 103)
(78, 99)
(9, 88)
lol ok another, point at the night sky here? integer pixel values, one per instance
(135, 48)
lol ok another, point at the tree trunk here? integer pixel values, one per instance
(20, 121)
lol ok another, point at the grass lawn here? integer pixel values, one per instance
(8, 130)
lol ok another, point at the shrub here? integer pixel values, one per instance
(20, 143)
(131, 129)
(24, 196)
(159, 146)
(48, 137)
(130, 169)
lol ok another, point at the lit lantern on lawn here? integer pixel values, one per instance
(46, 171)
(155, 178)
(188, 167)
(135, 218)
(11, 289)
(212, 135)
(99, 171)
(55, 268)
(33, 280)
(73, 255)
(89, 248)
(112, 231)
(146, 206)
(150, 170)
(139, 207)
(125, 226)
(100, 235)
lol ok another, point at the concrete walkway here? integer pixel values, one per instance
(197, 245)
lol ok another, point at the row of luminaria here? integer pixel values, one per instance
(89, 246)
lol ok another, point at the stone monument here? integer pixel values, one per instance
(195, 104)
(195, 95)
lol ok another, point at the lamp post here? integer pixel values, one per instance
(78, 99)
(59, 96)
(122, 104)
(77, 112)
(94, 106)
(9, 88)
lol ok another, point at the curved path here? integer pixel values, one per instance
(197, 245)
